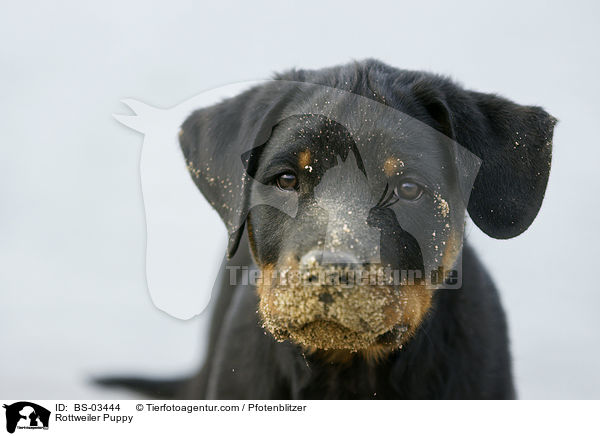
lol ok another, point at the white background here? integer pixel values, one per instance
(73, 302)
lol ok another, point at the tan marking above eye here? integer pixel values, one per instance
(392, 165)
(304, 158)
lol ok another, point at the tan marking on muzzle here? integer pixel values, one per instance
(348, 318)
(452, 250)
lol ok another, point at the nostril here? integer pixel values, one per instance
(326, 297)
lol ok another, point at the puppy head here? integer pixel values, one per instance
(354, 184)
(376, 201)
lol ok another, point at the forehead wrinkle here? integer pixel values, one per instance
(415, 151)
(293, 136)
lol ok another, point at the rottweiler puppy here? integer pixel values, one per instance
(345, 192)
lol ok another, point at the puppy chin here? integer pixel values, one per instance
(327, 335)
(330, 335)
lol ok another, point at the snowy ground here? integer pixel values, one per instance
(73, 298)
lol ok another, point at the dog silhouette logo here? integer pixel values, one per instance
(26, 415)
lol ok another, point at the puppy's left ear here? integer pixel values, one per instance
(514, 143)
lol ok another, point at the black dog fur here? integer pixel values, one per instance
(461, 349)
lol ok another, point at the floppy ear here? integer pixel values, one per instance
(215, 141)
(514, 143)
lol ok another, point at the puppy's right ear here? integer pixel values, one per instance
(215, 140)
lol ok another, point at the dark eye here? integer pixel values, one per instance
(408, 190)
(287, 181)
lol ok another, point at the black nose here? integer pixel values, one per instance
(324, 258)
